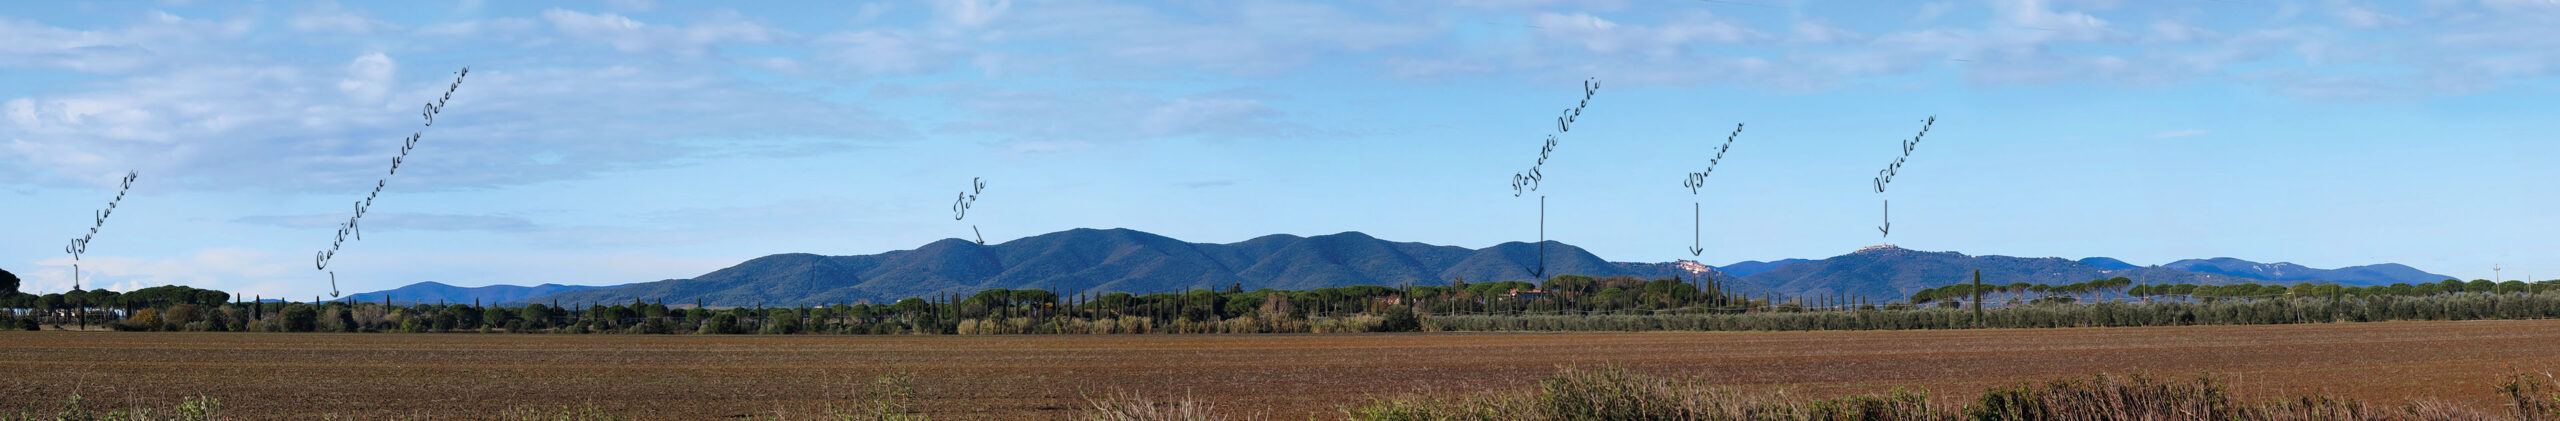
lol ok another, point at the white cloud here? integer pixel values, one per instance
(329, 17)
(1113, 115)
(1604, 36)
(283, 128)
(2032, 22)
(2359, 16)
(632, 5)
(396, 221)
(2172, 31)
(1211, 116)
(156, 39)
(368, 77)
(888, 51)
(633, 36)
(496, 29)
(1539, 4)
(232, 269)
(971, 13)
(1808, 31)
(1256, 38)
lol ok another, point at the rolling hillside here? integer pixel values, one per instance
(1123, 260)
(2379, 274)
(1119, 260)
(1886, 273)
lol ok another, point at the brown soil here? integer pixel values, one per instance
(477, 376)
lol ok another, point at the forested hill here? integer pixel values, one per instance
(1888, 273)
(2377, 274)
(1122, 260)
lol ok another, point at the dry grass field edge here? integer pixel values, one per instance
(476, 376)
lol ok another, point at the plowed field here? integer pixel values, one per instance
(473, 376)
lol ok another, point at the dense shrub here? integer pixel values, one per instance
(298, 318)
(143, 320)
(1399, 319)
(720, 325)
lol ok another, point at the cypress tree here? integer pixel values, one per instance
(1977, 297)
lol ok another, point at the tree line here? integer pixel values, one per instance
(1564, 302)
(1027, 311)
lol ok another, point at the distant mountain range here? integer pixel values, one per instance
(1122, 260)
(1887, 272)
(2381, 274)
(437, 292)
(1754, 267)
(1890, 273)
(2107, 263)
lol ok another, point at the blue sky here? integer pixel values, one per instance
(629, 141)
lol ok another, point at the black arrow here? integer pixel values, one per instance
(1695, 239)
(1888, 219)
(1541, 271)
(982, 238)
(333, 284)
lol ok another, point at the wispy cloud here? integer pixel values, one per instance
(276, 126)
(392, 221)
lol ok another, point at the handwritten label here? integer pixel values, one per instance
(1885, 176)
(80, 246)
(968, 198)
(1527, 181)
(1697, 227)
(351, 228)
(960, 208)
(1699, 179)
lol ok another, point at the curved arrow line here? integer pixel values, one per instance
(982, 238)
(333, 284)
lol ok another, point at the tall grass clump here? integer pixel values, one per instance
(194, 408)
(2104, 397)
(1616, 394)
(1124, 406)
(889, 397)
(2536, 397)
